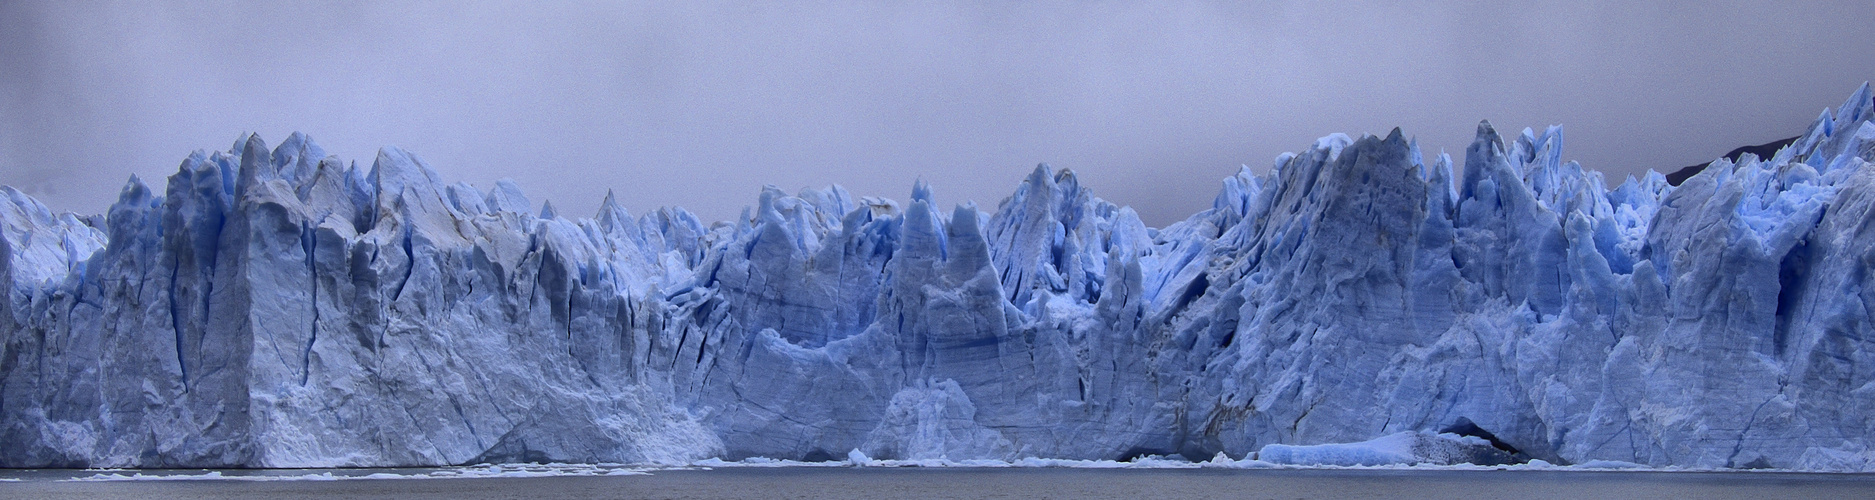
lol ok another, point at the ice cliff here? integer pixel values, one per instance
(278, 307)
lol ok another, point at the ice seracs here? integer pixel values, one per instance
(278, 307)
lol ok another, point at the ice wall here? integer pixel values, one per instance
(280, 308)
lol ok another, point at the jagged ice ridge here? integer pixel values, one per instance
(279, 308)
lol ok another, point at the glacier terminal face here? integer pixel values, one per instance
(274, 307)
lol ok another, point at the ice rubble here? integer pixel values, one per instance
(280, 308)
(468, 472)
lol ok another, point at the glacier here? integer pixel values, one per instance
(279, 307)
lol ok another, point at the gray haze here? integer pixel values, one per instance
(700, 104)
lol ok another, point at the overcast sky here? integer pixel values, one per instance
(699, 104)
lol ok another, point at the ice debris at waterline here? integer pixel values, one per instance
(279, 308)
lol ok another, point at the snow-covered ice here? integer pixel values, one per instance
(277, 307)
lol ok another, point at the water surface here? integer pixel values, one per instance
(846, 482)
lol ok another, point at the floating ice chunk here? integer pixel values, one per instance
(1401, 448)
(1608, 464)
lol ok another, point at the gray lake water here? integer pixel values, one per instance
(803, 482)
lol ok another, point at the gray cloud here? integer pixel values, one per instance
(700, 104)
